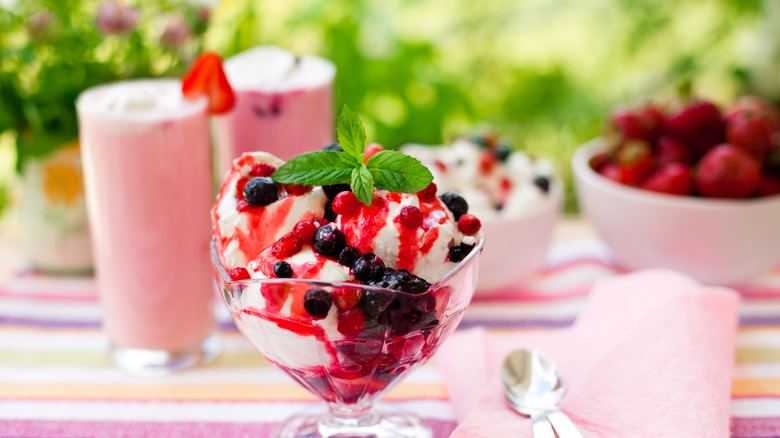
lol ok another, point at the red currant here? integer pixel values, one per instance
(469, 224)
(262, 169)
(305, 230)
(428, 192)
(238, 274)
(346, 204)
(286, 246)
(411, 217)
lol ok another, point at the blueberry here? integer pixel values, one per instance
(335, 147)
(332, 191)
(459, 252)
(261, 190)
(543, 183)
(317, 303)
(368, 268)
(457, 205)
(283, 269)
(374, 303)
(402, 280)
(328, 241)
(348, 255)
(502, 151)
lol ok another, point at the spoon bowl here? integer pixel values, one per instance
(531, 380)
(533, 387)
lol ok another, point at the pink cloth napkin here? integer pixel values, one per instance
(650, 356)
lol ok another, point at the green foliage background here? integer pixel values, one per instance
(541, 72)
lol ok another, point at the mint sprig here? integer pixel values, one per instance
(351, 134)
(388, 170)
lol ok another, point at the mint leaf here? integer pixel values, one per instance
(351, 135)
(388, 170)
(319, 168)
(362, 184)
(397, 172)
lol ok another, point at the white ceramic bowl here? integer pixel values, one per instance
(716, 241)
(515, 248)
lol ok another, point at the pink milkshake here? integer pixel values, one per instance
(284, 104)
(147, 166)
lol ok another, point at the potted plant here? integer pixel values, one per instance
(52, 50)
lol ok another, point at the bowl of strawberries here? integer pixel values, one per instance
(687, 185)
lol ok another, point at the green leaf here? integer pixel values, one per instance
(362, 184)
(351, 134)
(397, 172)
(319, 168)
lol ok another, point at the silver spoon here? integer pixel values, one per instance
(533, 387)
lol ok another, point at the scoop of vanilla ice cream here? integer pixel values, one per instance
(243, 234)
(305, 264)
(379, 229)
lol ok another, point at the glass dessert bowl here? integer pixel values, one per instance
(348, 343)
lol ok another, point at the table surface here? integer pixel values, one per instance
(56, 379)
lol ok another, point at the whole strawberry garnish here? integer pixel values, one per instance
(698, 124)
(671, 150)
(672, 178)
(750, 132)
(207, 78)
(727, 172)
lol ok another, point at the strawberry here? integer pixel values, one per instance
(671, 150)
(768, 186)
(641, 123)
(750, 132)
(727, 172)
(207, 78)
(636, 160)
(758, 107)
(614, 172)
(672, 178)
(599, 160)
(698, 124)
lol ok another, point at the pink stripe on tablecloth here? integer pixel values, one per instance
(123, 429)
(755, 427)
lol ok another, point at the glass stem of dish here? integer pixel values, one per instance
(350, 416)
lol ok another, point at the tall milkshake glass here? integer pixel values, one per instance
(147, 170)
(284, 104)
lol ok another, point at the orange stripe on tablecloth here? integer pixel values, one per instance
(189, 392)
(755, 388)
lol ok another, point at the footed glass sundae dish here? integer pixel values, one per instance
(348, 343)
(346, 271)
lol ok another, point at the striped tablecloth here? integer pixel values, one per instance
(56, 379)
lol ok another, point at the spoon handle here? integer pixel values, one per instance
(541, 426)
(563, 425)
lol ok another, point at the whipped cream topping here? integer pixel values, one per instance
(139, 99)
(273, 69)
